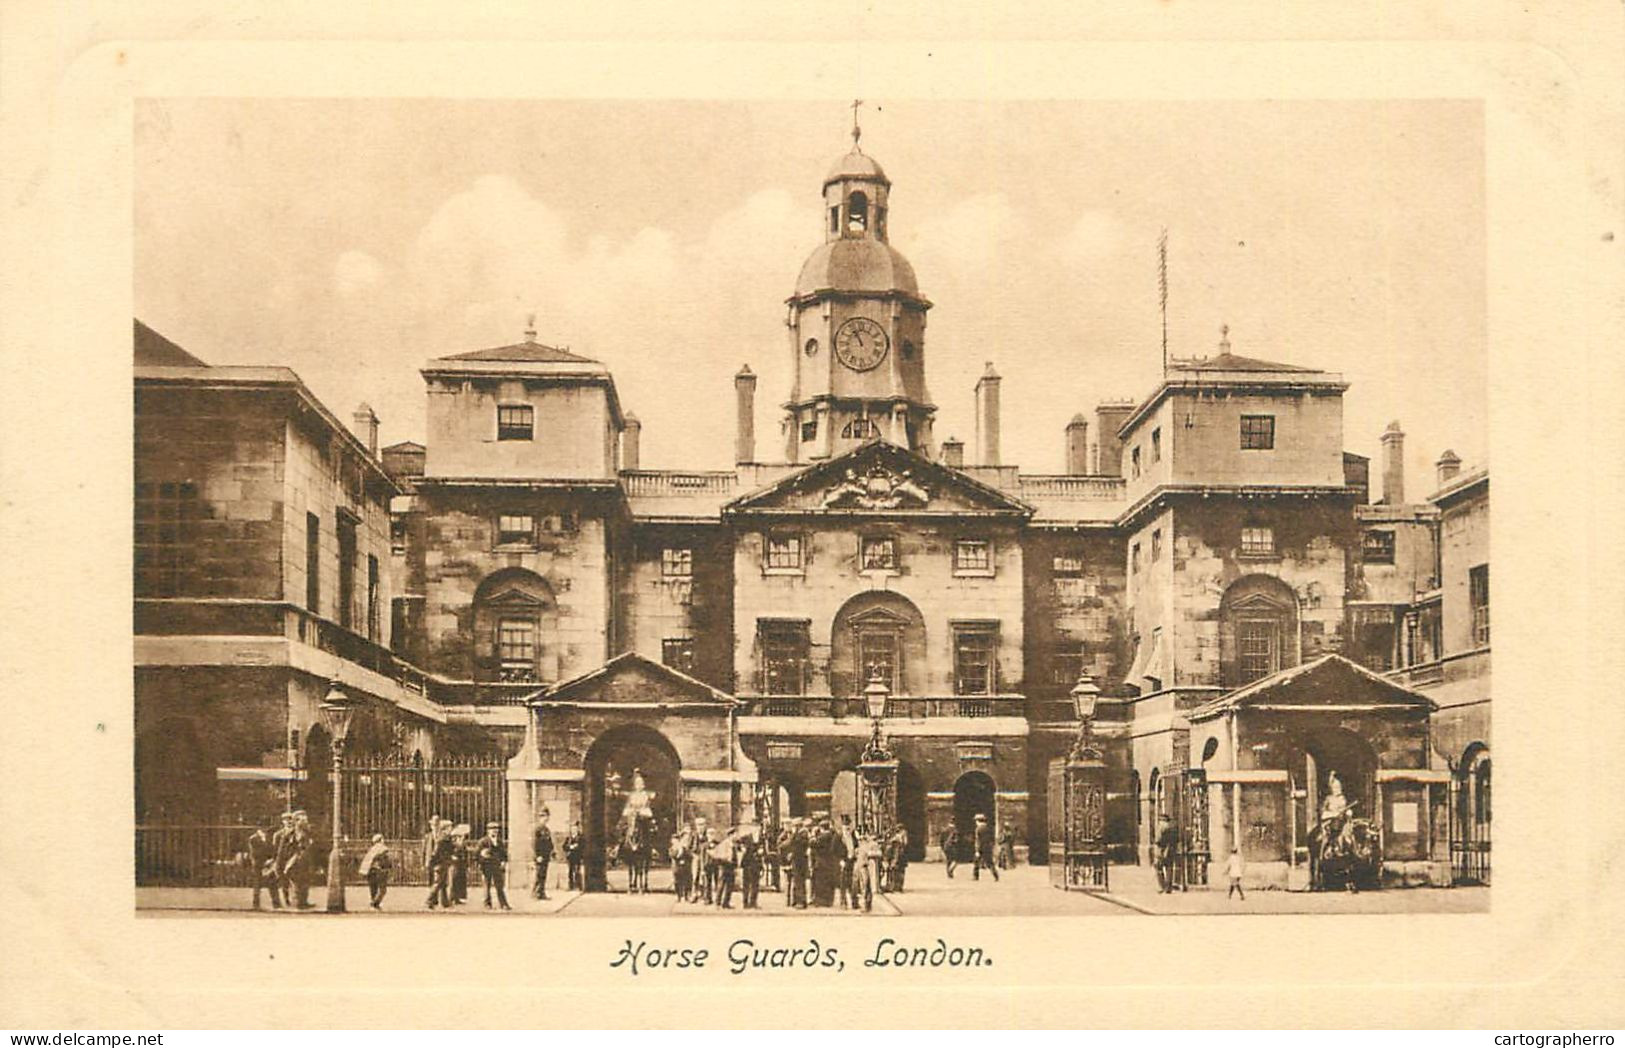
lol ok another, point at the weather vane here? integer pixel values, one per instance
(857, 132)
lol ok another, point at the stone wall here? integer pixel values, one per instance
(698, 607)
(223, 453)
(570, 555)
(1070, 611)
(924, 577)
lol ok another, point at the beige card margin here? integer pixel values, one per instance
(76, 955)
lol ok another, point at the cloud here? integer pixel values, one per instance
(356, 271)
(1093, 238)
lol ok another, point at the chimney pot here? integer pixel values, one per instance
(745, 405)
(1449, 465)
(987, 416)
(953, 453)
(632, 443)
(1393, 465)
(1077, 446)
(366, 427)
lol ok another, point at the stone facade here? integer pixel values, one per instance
(717, 631)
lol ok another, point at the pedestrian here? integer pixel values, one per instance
(375, 867)
(982, 841)
(297, 871)
(799, 864)
(722, 863)
(899, 865)
(440, 848)
(459, 862)
(822, 849)
(1007, 848)
(1233, 869)
(700, 861)
(1167, 853)
(866, 871)
(950, 848)
(682, 870)
(769, 845)
(261, 861)
(848, 841)
(750, 869)
(492, 854)
(573, 844)
(543, 844)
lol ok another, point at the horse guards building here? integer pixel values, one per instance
(530, 621)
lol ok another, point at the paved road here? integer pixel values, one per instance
(1022, 892)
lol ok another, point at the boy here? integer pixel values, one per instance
(1233, 870)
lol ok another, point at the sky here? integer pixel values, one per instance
(353, 240)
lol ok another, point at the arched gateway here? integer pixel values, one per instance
(632, 738)
(632, 772)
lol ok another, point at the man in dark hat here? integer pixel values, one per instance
(983, 840)
(492, 855)
(572, 857)
(262, 865)
(1167, 854)
(441, 850)
(750, 867)
(544, 855)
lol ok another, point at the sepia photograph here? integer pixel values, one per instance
(863, 508)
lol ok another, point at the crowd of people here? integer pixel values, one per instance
(280, 862)
(813, 861)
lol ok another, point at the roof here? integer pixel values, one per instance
(405, 445)
(1233, 362)
(525, 353)
(154, 350)
(856, 164)
(631, 661)
(857, 264)
(879, 478)
(1329, 681)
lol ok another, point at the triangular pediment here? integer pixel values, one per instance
(633, 680)
(1330, 682)
(878, 478)
(516, 598)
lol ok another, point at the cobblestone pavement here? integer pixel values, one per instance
(1022, 892)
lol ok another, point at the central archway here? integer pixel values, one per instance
(973, 795)
(616, 759)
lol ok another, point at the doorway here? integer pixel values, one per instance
(629, 769)
(973, 795)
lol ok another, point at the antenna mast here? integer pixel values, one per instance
(1162, 289)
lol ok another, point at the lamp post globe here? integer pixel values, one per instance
(1085, 697)
(337, 711)
(875, 694)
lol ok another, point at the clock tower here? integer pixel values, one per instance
(857, 327)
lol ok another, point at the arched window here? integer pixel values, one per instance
(857, 212)
(515, 615)
(1258, 633)
(877, 633)
(860, 429)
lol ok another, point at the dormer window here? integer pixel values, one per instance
(857, 212)
(516, 422)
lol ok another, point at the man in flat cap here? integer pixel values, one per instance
(492, 854)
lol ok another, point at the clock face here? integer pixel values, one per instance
(860, 344)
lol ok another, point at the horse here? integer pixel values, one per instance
(637, 849)
(1346, 853)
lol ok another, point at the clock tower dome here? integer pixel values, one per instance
(857, 327)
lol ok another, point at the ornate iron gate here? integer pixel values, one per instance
(1182, 796)
(396, 798)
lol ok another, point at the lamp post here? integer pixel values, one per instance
(1077, 799)
(1085, 696)
(877, 768)
(338, 709)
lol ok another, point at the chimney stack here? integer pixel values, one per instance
(1393, 465)
(632, 443)
(366, 427)
(745, 397)
(1449, 466)
(953, 453)
(1109, 417)
(1077, 446)
(987, 416)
